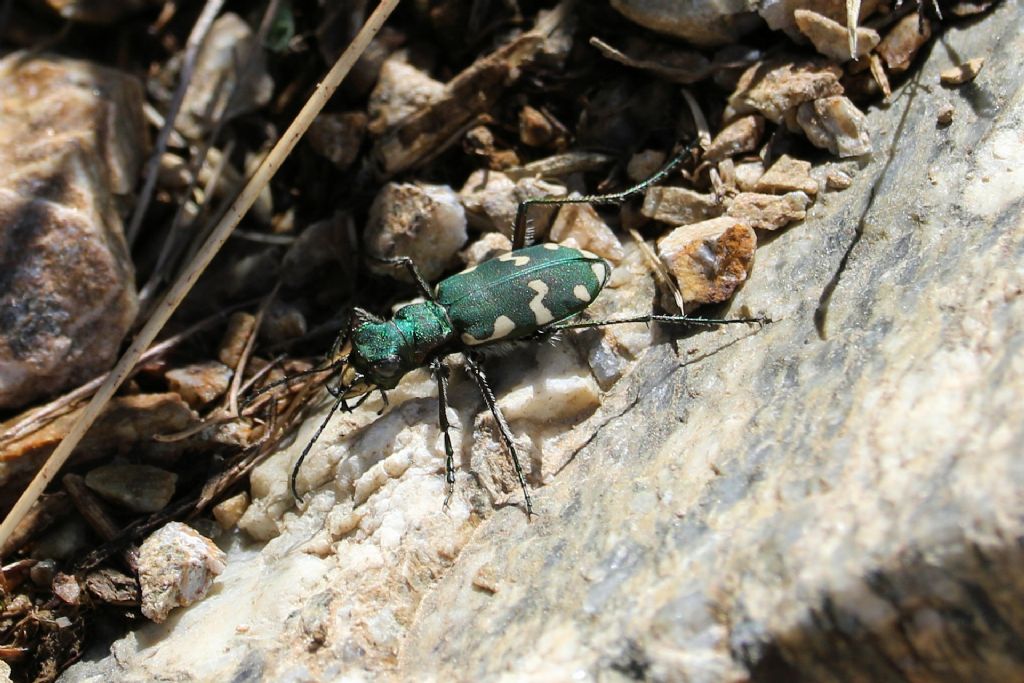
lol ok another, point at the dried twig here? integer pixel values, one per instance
(181, 287)
(195, 41)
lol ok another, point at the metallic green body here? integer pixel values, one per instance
(517, 294)
(506, 298)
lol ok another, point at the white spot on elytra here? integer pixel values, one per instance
(502, 326)
(588, 254)
(581, 293)
(551, 245)
(540, 311)
(468, 270)
(516, 260)
(599, 271)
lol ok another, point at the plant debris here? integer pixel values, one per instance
(449, 120)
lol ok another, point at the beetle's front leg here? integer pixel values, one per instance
(477, 372)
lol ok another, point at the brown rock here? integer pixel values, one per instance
(831, 38)
(742, 135)
(580, 226)
(228, 512)
(964, 73)
(401, 90)
(904, 39)
(140, 488)
(426, 222)
(787, 175)
(769, 211)
(777, 86)
(489, 245)
(492, 198)
(679, 205)
(200, 383)
(230, 77)
(240, 326)
(709, 259)
(944, 116)
(836, 124)
(837, 180)
(67, 292)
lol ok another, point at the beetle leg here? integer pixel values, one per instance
(309, 446)
(665, 319)
(441, 372)
(519, 233)
(475, 369)
(410, 266)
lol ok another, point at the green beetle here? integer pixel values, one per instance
(528, 293)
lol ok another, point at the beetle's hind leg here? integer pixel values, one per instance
(519, 232)
(441, 372)
(664, 319)
(477, 372)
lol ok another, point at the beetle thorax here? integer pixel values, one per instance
(383, 351)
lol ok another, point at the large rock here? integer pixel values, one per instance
(762, 505)
(71, 140)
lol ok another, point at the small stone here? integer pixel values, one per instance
(679, 205)
(177, 565)
(944, 116)
(489, 245)
(71, 139)
(701, 23)
(837, 180)
(230, 78)
(777, 86)
(240, 326)
(173, 172)
(709, 260)
(747, 173)
(140, 488)
(43, 572)
(964, 73)
(200, 383)
(836, 124)
(900, 45)
(318, 252)
(425, 222)
(338, 136)
(780, 14)
(401, 90)
(787, 175)
(492, 199)
(740, 136)
(831, 39)
(644, 164)
(579, 226)
(535, 129)
(67, 589)
(229, 511)
(283, 322)
(769, 211)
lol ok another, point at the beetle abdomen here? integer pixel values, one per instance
(516, 294)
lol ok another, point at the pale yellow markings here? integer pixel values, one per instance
(588, 254)
(540, 311)
(502, 326)
(600, 272)
(468, 270)
(581, 293)
(516, 260)
(551, 245)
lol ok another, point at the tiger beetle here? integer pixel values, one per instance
(528, 294)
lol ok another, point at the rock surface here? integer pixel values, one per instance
(764, 505)
(71, 139)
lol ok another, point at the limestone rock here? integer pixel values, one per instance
(414, 219)
(836, 124)
(140, 488)
(709, 259)
(776, 87)
(177, 565)
(67, 292)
